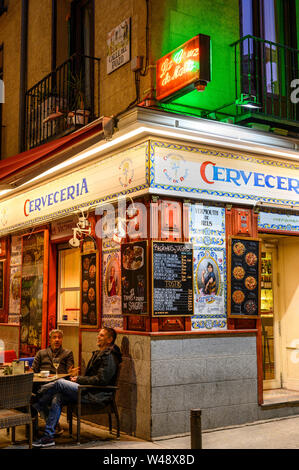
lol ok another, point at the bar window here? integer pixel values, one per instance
(68, 286)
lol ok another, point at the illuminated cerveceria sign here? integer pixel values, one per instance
(181, 70)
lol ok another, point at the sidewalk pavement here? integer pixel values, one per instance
(282, 433)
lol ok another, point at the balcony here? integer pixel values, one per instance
(64, 100)
(266, 70)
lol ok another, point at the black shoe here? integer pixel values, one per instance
(44, 441)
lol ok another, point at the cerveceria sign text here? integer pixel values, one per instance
(181, 70)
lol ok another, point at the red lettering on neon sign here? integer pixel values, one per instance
(178, 71)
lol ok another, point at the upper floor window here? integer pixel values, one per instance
(269, 56)
(272, 20)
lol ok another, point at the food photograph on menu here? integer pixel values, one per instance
(89, 317)
(244, 273)
(134, 278)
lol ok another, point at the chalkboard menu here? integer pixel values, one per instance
(1, 284)
(244, 277)
(172, 279)
(134, 277)
(89, 292)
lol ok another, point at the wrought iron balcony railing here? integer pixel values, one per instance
(267, 70)
(65, 99)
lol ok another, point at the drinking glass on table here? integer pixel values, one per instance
(56, 364)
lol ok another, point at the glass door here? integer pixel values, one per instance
(68, 292)
(269, 318)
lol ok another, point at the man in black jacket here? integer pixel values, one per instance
(101, 370)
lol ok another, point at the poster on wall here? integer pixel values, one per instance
(207, 233)
(111, 289)
(15, 290)
(244, 272)
(89, 291)
(32, 293)
(172, 279)
(15, 280)
(134, 277)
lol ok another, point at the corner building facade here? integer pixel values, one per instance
(197, 197)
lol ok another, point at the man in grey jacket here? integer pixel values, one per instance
(101, 370)
(44, 358)
(44, 361)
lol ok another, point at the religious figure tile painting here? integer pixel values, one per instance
(207, 233)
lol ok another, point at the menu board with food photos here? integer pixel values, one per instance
(172, 279)
(134, 290)
(89, 293)
(244, 277)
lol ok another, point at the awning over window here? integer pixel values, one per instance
(13, 167)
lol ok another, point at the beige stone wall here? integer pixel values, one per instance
(39, 61)
(118, 88)
(39, 41)
(10, 30)
(63, 11)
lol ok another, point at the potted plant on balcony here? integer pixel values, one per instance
(49, 111)
(79, 114)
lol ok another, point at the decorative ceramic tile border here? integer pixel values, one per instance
(185, 170)
(281, 222)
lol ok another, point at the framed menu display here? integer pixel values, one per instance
(172, 279)
(89, 290)
(244, 277)
(134, 275)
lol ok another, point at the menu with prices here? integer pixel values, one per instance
(89, 317)
(244, 274)
(172, 279)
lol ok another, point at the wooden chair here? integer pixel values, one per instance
(85, 409)
(15, 395)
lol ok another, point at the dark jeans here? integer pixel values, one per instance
(56, 395)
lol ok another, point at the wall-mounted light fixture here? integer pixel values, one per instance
(83, 227)
(120, 230)
(248, 101)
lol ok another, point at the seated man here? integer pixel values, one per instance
(44, 361)
(44, 358)
(101, 370)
